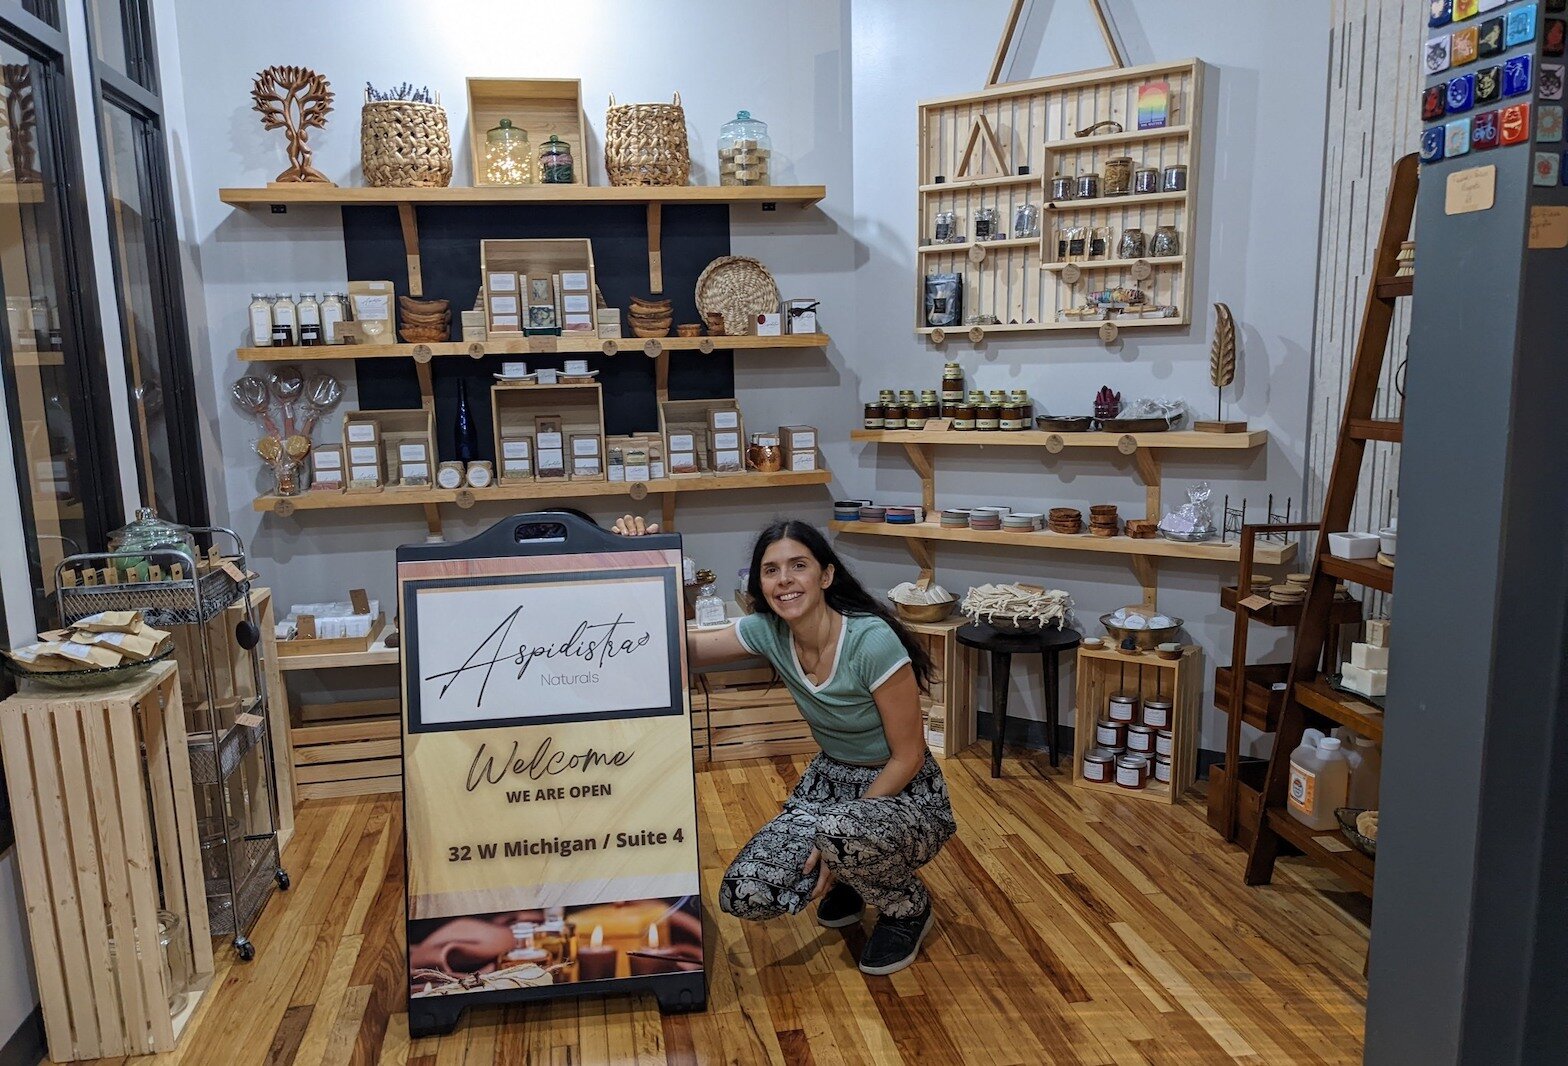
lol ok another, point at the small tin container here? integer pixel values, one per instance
(1122, 707)
(1099, 765)
(1164, 742)
(1132, 772)
(1174, 178)
(1140, 739)
(1145, 180)
(1088, 187)
(1157, 713)
(1162, 769)
(1109, 734)
(1064, 188)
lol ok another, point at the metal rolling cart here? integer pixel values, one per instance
(157, 569)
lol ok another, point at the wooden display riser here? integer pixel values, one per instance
(1102, 672)
(949, 707)
(745, 714)
(348, 749)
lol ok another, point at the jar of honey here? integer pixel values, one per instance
(963, 416)
(988, 416)
(1132, 771)
(1157, 713)
(952, 384)
(1099, 765)
(1011, 416)
(1140, 739)
(895, 416)
(876, 416)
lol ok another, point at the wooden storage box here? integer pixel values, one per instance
(362, 439)
(411, 426)
(99, 828)
(546, 260)
(693, 419)
(347, 749)
(513, 409)
(746, 714)
(949, 707)
(1102, 672)
(541, 106)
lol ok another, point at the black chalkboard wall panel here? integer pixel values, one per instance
(449, 239)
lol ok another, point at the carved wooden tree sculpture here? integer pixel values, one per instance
(294, 99)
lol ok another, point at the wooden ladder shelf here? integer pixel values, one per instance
(1307, 696)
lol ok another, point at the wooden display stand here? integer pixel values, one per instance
(580, 409)
(92, 861)
(1102, 672)
(949, 707)
(541, 106)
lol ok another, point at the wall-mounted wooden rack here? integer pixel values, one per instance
(528, 346)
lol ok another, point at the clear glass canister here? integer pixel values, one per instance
(508, 158)
(149, 533)
(745, 150)
(555, 162)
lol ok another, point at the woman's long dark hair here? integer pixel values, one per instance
(845, 595)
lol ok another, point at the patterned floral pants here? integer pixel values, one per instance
(873, 845)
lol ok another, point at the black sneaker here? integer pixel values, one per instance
(840, 906)
(895, 942)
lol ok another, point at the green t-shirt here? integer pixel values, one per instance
(841, 713)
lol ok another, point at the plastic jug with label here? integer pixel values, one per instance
(1319, 783)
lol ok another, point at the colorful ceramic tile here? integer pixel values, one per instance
(1432, 141)
(1490, 41)
(1549, 84)
(1548, 168)
(1437, 54)
(1521, 25)
(1513, 124)
(1488, 85)
(1554, 38)
(1434, 102)
(1464, 46)
(1466, 9)
(1461, 93)
(1440, 13)
(1548, 123)
(1456, 140)
(1483, 130)
(1516, 76)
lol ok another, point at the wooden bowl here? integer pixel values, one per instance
(1164, 654)
(924, 612)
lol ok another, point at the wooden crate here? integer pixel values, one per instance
(1102, 672)
(541, 106)
(747, 714)
(98, 829)
(540, 259)
(581, 410)
(950, 706)
(694, 417)
(348, 749)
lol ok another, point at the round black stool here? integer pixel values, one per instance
(1003, 645)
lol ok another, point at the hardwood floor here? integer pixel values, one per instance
(1073, 927)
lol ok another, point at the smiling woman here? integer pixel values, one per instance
(873, 807)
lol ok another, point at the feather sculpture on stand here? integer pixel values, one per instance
(1222, 370)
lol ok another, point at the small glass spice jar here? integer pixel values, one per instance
(1111, 734)
(895, 416)
(1132, 771)
(1145, 180)
(1088, 186)
(555, 162)
(1164, 743)
(1099, 765)
(1122, 707)
(963, 415)
(876, 416)
(1064, 188)
(1165, 242)
(1174, 178)
(1011, 416)
(1157, 713)
(1140, 739)
(1118, 176)
(988, 416)
(952, 384)
(1162, 769)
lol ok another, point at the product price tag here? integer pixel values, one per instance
(1256, 603)
(1331, 843)
(1470, 190)
(248, 721)
(938, 425)
(1549, 227)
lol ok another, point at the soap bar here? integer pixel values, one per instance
(1378, 632)
(1368, 656)
(1367, 682)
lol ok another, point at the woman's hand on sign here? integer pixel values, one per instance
(630, 526)
(824, 875)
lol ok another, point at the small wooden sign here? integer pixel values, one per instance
(1256, 603)
(938, 425)
(155, 573)
(360, 601)
(1474, 189)
(305, 627)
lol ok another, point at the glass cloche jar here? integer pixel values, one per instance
(745, 150)
(555, 162)
(509, 158)
(149, 533)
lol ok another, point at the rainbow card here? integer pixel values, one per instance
(1154, 105)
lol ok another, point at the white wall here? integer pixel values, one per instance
(838, 85)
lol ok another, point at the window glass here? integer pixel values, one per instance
(121, 31)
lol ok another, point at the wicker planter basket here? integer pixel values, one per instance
(737, 289)
(645, 144)
(404, 144)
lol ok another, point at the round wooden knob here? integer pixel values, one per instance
(1142, 270)
(938, 336)
(1054, 443)
(652, 349)
(976, 254)
(465, 498)
(609, 347)
(705, 346)
(422, 353)
(283, 508)
(976, 334)
(1127, 444)
(476, 350)
(638, 491)
(1109, 332)
(1071, 273)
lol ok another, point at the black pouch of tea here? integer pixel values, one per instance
(944, 299)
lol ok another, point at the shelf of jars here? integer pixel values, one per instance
(491, 195)
(526, 345)
(1035, 438)
(1271, 554)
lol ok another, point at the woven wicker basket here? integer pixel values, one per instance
(645, 144)
(404, 144)
(738, 289)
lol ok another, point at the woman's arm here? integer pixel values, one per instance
(898, 702)
(704, 649)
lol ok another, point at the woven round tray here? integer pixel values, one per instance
(738, 288)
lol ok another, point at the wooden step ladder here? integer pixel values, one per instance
(1310, 698)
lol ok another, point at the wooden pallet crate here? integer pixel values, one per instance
(747, 714)
(98, 829)
(348, 749)
(949, 707)
(1102, 672)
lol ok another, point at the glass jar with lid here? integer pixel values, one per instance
(895, 416)
(963, 415)
(952, 384)
(508, 159)
(1021, 398)
(745, 150)
(145, 534)
(555, 162)
(885, 396)
(988, 416)
(875, 416)
(906, 397)
(1011, 416)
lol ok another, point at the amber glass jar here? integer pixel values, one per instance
(963, 415)
(906, 397)
(876, 416)
(1011, 416)
(885, 397)
(894, 416)
(917, 415)
(988, 416)
(952, 384)
(1021, 398)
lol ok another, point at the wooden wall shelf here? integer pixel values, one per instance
(528, 346)
(1034, 438)
(1083, 144)
(1158, 548)
(358, 196)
